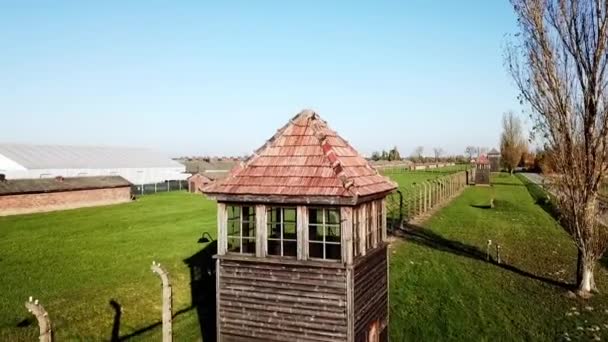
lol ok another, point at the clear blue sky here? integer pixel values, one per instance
(199, 77)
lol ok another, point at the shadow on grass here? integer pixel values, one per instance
(506, 184)
(202, 287)
(540, 196)
(152, 326)
(481, 206)
(116, 325)
(427, 238)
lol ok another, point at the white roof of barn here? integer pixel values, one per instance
(83, 157)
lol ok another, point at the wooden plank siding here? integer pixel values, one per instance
(371, 292)
(269, 301)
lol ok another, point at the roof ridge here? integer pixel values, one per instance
(328, 152)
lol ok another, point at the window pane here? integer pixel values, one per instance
(234, 227)
(289, 231)
(274, 231)
(248, 214)
(315, 233)
(333, 216)
(248, 246)
(274, 247)
(333, 234)
(290, 248)
(315, 250)
(333, 252)
(289, 215)
(248, 229)
(234, 245)
(273, 215)
(234, 211)
(315, 216)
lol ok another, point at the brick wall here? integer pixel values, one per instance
(34, 203)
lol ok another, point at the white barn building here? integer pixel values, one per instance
(137, 165)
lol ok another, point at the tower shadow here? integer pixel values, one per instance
(203, 291)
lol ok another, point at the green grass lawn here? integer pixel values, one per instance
(441, 286)
(76, 261)
(443, 289)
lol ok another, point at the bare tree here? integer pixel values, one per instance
(512, 141)
(438, 151)
(417, 154)
(470, 152)
(558, 62)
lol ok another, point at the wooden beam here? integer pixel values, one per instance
(362, 209)
(383, 208)
(222, 229)
(302, 232)
(346, 215)
(297, 200)
(350, 305)
(218, 316)
(374, 222)
(261, 231)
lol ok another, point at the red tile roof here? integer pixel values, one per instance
(483, 159)
(304, 158)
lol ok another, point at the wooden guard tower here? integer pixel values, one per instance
(302, 253)
(482, 170)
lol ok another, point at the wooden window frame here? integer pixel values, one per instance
(325, 225)
(379, 223)
(251, 219)
(356, 233)
(369, 223)
(281, 240)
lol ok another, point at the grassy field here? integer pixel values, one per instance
(442, 288)
(77, 261)
(439, 171)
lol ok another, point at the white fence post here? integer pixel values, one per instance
(44, 323)
(167, 297)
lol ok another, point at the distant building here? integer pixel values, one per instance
(137, 165)
(482, 170)
(494, 157)
(22, 196)
(196, 183)
(212, 168)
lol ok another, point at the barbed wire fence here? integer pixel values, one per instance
(411, 202)
(153, 188)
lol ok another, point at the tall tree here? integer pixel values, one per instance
(376, 156)
(470, 152)
(512, 141)
(393, 154)
(558, 61)
(438, 151)
(417, 154)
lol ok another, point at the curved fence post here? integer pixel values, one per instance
(167, 301)
(44, 322)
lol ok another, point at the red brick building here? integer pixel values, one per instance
(196, 183)
(22, 196)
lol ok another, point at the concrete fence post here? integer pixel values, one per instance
(167, 314)
(420, 199)
(44, 322)
(429, 197)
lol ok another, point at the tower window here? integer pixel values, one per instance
(324, 233)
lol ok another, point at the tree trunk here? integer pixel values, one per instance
(579, 267)
(587, 279)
